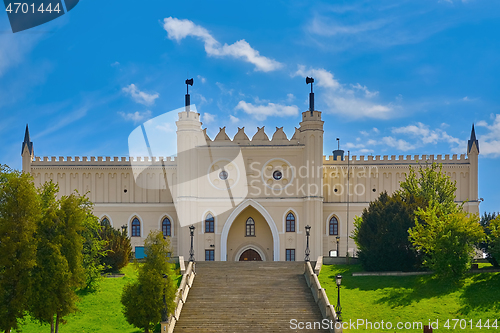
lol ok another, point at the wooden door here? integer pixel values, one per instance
(250, 255)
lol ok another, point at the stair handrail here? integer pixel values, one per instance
(320, 296)
(180, 298)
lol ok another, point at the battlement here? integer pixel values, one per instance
(100, 160)
(400, 159)
(260, 138)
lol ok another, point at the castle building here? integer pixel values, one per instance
(248, 199)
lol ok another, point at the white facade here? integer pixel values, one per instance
(312, 187)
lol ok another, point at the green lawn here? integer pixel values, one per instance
(100, 311)
(414, 299)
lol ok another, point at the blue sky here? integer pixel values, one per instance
(392, 77)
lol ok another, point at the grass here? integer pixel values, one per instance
(100, 311)
(414, 299)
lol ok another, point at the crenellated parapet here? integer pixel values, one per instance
(107, 161)
(260, 138)
(397, 160)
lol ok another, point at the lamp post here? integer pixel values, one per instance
(308, 229)
(338, 309)
(124, 229)
(191, 251)
(338, 240)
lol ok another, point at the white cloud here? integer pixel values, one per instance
(320, 26)
(368, 93)
(166, 127)
(355, 103)
(398, 144)
(116, 63)
(208, 118)
(426, 135)
(223, 89)
(233, 119)
(489, 143)
(290, 98)
(140, 96)
(201, 78)
(136, 117)
(180, 29)
(322, 77)
(261, 112)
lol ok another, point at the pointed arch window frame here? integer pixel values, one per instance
(209, 226)
(333, 226)
(166, 227)
(290, 222)
(135, 230)
(250, 227)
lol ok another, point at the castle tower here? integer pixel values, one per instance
(311, 135)
(189, 136)
(472, 154)
(27, 151)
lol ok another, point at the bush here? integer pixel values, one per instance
(381, 234)
(117, 249)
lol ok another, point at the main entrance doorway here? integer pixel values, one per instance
(250, 255)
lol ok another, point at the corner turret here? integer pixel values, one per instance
(473, 144)
(27, 151)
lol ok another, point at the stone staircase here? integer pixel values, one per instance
(261, 297)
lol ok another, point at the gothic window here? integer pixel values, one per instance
(334, 226)
(136, 227)
(290, 222)
(250, 227)
(166, 227)
(105, 222)
(209, 224)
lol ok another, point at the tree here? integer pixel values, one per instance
(486, 245)
(431, 184)
(381, 234)
(117, 248)
(446, 239)
(493, 240)
(151, 298)
(59, 270)
(19, 212)
(93, 247)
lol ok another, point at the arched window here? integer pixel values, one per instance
(209, 224)
(290, 222)
(334, 226)
(105, 222)
(250, 227)
(166, 227)
(136, 227)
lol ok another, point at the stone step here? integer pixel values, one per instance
(230, 297)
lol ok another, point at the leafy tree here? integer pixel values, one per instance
(381, 234)
(19, 212)
(446, 239)
(485, 245)
(493, 240)
(117, 248)
(93, 247)
(431, 184)
(151, 298)
(59, 271)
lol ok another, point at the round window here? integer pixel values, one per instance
(277, 175)
(223, 175)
